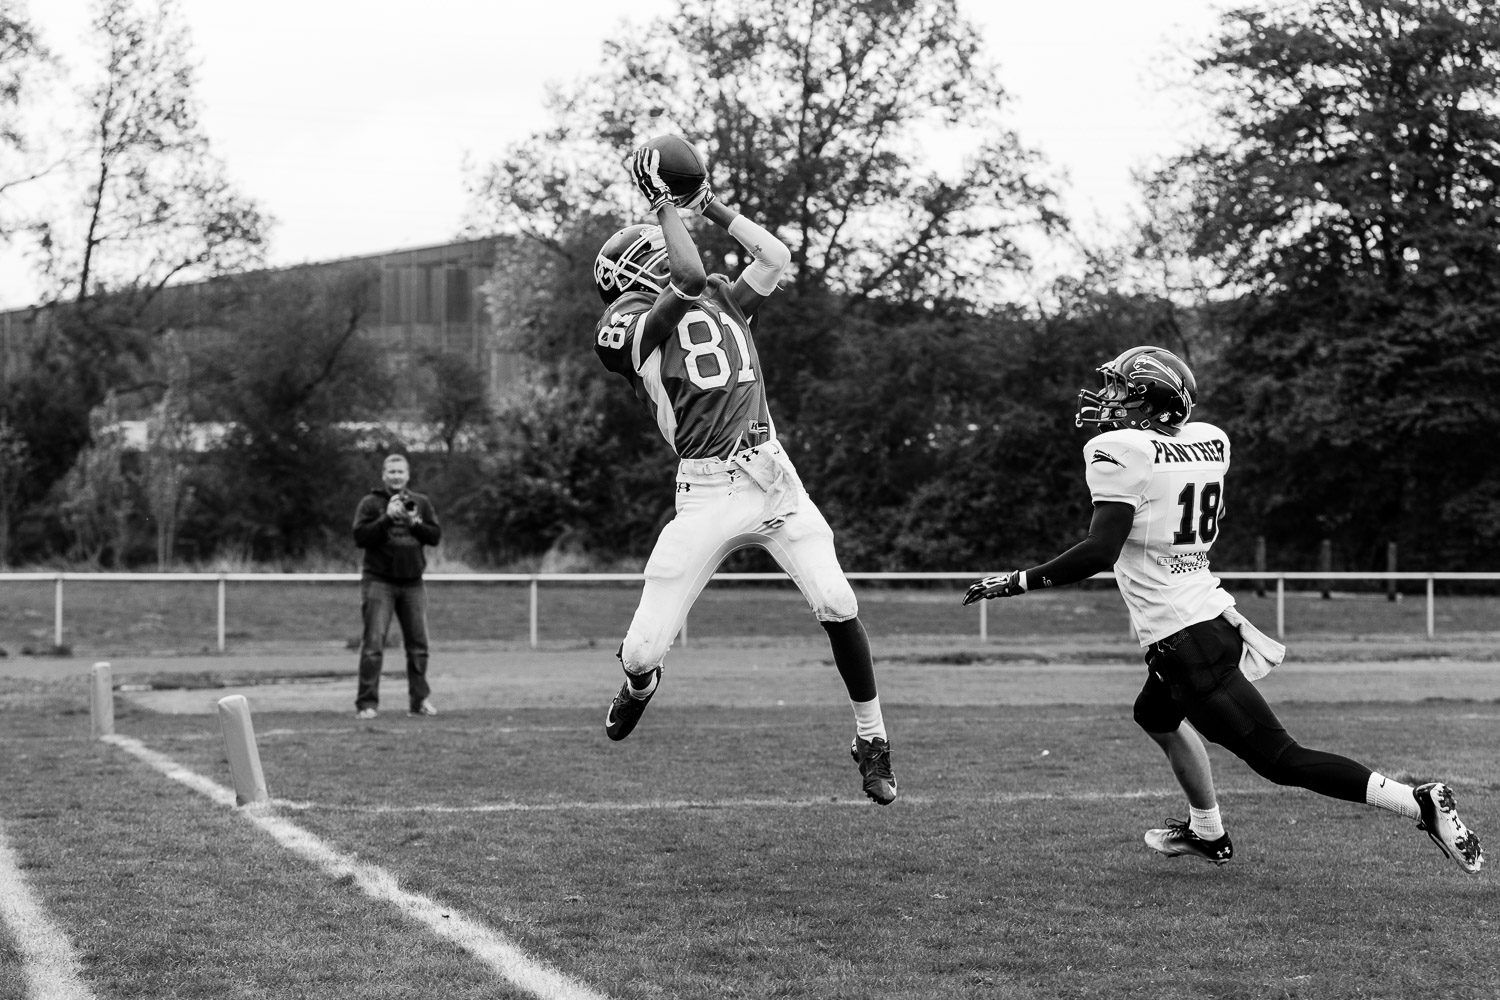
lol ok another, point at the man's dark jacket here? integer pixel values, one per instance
(393, 551)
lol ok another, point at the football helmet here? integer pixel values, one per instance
(633, 259)
(1147, 388)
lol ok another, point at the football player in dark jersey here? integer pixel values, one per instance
(1158, 484)
(682, 339)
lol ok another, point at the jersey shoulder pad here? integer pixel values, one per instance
(626, 305)
(1118, 466)
(617, 329)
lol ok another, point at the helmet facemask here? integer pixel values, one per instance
(633, 259)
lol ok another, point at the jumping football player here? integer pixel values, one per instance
(682, 339)
(1158, 486)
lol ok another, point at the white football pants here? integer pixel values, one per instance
(720, 508)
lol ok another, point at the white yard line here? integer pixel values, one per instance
(48, 961)
(485, 943)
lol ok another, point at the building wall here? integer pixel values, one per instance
(430, 298)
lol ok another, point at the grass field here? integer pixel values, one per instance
(182, 617)
(725, 851)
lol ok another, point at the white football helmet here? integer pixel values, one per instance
(633, 259)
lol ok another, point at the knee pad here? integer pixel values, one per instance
(1154, 710)
(642, 654)
(835, 602)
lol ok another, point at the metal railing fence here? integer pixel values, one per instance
(534, 580)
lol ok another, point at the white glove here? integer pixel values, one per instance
(644, 167)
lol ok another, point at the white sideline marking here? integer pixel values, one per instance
(485, 943)
(1004, 798)
(48, 961)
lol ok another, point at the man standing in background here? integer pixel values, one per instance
(391, 524)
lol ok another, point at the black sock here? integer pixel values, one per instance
(851, 655)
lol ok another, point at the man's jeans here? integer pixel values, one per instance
(407, 600)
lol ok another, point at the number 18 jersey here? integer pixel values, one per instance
(703, 385)
(1175, 482)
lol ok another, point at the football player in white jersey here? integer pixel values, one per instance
(682, 339)
(1158, 484)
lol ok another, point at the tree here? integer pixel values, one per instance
(96, 498)
(164, 470)
(814, 116)
(155, 204)
(291, 364)
(152, 207)
(459, 402)
(1352, 211)
(21, 56)
(15, 465)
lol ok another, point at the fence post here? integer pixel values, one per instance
(984, 621)
(1431, 617)
(57, 605)
(221, 612)
(1260, 564)
(1325, 565)
(1390, 567)
(1280, 607)
(533, 612)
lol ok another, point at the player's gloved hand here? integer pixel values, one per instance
(1002, 585)
(698, 201)
(645, 165)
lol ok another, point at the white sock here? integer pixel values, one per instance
(1387, 793)
(1206, 823)
(867, 721)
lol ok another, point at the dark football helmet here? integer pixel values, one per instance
(634, 259)
(1147, 388)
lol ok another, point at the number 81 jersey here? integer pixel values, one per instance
(703, 385)
(1175, 482)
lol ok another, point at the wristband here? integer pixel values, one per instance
(683, 295)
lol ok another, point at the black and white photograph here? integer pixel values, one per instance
(726, 500)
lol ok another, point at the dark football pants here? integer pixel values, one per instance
(379, 601)
(1195, 675)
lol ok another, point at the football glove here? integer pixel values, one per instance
(698, 201)
(1002, 585)
(644, 171)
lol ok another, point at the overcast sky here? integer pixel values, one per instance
(351, 123)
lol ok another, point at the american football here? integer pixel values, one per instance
(682, 166)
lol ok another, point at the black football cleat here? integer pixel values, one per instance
(626, 710)
(1179, 839)
(874, 759)
(1440, 820)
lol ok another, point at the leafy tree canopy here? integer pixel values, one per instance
(1350, 208)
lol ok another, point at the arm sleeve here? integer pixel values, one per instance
(370, 522)
(1107, 533)
(770, 255)
(429, 532)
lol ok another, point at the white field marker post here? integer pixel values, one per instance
(244, 758)
(102, 702)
